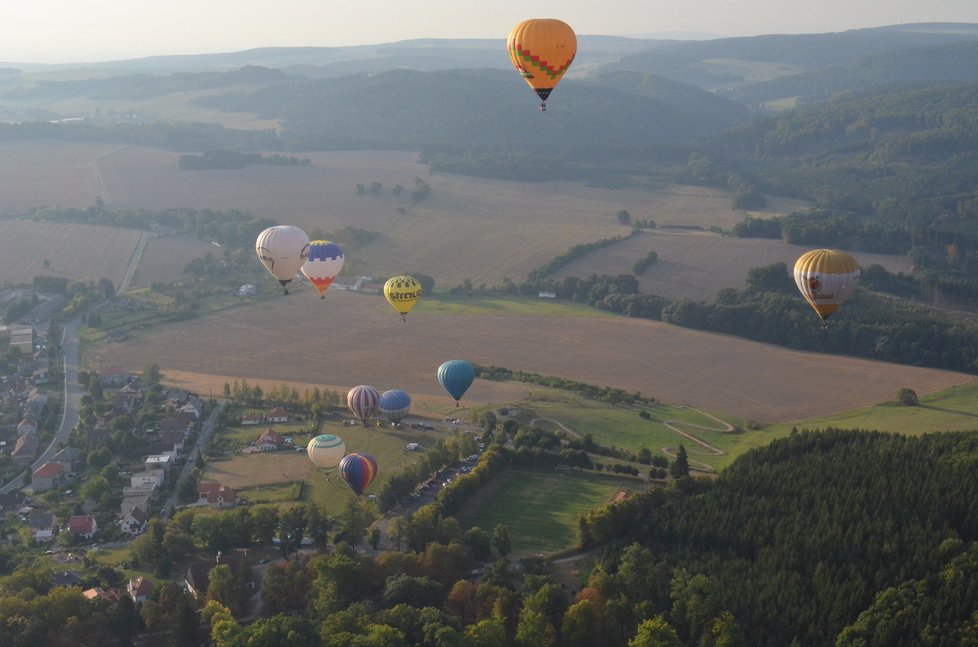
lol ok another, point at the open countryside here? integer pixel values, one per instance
(352, 338)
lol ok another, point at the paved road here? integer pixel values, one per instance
(137, 256)
(206, 431)
(72, 402)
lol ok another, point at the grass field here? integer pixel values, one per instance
(954, 409)
(697, 265)
(551, 503)
(621, 427)
(351, 339)
(267, 477)
(25, 245)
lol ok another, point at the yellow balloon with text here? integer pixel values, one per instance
(402, 292)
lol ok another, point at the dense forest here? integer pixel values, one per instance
(856, 533)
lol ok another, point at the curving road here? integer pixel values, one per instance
(72, 402)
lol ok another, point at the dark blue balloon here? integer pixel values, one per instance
(394, 404)
(456, 376)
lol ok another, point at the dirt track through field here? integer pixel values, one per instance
(351, 339)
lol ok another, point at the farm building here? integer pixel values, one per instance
(251, 419)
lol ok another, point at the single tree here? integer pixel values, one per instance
(680, 467)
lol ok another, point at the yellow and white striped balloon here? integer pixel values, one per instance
(826, 278)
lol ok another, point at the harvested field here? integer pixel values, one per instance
(75, 252)
(475, 228)
(697, 265)
(165, 257)
(353, 339)
(50, 174)
(264, 468)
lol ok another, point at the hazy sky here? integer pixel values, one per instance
(51, 31)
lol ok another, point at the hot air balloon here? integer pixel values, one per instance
(358, 471)
(402, 292)
(394, 405)
(456, 376)
(282, 250)
(541, 50)
(362, 401)
(826, 278)
(324, 263)
(326, 450)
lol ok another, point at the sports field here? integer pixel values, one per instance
(351, 339)
(546, 520)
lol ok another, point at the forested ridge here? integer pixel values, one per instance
(796, 539)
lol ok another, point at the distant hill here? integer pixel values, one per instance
(724, 63)
(318, 62)
(485, 108)
(951, 62)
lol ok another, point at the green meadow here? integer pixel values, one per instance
(550, 504)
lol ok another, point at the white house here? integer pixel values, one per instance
(162, 461)
(147, 480)
(134, 522)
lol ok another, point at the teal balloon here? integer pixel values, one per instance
(456, 376)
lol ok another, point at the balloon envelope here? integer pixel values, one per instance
(826, 278)
(323, 264)
(326, 451)
(402, 292)
(541, 50)
(282, 249)
(456, 376)
(394, 405)
(362, 401)
(358, 471)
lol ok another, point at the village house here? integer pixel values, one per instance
(35, 402)
(180, 421)
(69, 456)
(83, 526)
(134, 521)
(65, 578)
(178, 397)
(251, 419)
(113, 376)
(215, 495)
(24, 450)
(269, 441)
(125, 402)
(41, 376)
(194, 406)
(136, 501)
(147, 480)
(28, 425)
(98, 593)
(162, 461)
(48, 476)
(173, 440)
(278, 414)
(140, 589)
(198, 574)
(42, 525)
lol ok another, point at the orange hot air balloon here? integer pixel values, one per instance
(541, 50)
